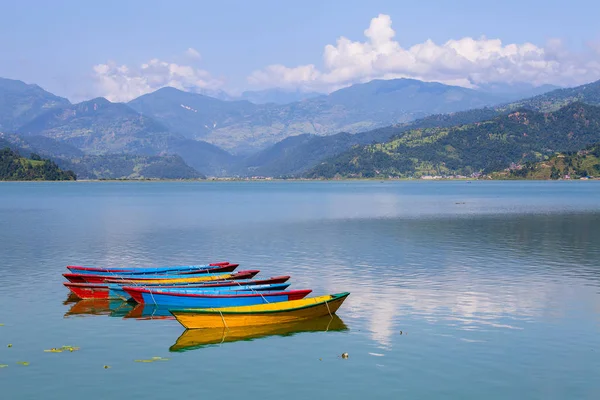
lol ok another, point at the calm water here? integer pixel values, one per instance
(495, 287)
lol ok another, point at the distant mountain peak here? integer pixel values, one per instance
(21, 102)
(278, 96)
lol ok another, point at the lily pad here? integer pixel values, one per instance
(53, 351)
(152, 360)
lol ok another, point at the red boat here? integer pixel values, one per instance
(100, 278)
(157, 270)
(85, 290)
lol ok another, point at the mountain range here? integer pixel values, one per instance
(523, 135)
(241, 127)
(242, 138)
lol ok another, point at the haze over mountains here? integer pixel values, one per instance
(238, 137)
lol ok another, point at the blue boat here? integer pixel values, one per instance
(144, 295)
(116, 290)
(128, 271)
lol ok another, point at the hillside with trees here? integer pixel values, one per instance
(471, 149)
(14, 167)
(571, 165)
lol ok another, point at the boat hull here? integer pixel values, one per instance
(214, 299)
(90, 290)
(167, 279)
(264, 314)
(117, 291)
(130, 270)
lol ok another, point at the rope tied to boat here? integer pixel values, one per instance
(223, 319)
(327, 304)
(152, 295)
(260, 293)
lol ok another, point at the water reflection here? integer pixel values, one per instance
(71, 298)
(107, 307)
(115, 308)
(149, 311)
(198, 338)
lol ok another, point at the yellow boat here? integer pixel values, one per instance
(261, 314)
(184, 280)
(197, 338)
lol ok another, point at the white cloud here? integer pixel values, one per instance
(193, 53)
(465, 62)
(123, 83)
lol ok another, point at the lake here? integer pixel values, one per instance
(458, 289)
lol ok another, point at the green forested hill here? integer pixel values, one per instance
(572, 165)
(128, 166)
(298, 154)
(556, 99)
(482, 147)
(107, 166)
(13, 167)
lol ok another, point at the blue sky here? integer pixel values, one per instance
(83, 49)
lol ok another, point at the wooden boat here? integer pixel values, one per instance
(263, 314)
(166, 279)
(249, 274)
(132, 270)
(117, 291)
(92, 277)
(192, 339)
(144, 295)
(85, 290)
(277, 287)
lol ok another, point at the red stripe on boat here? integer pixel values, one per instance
(137, 296)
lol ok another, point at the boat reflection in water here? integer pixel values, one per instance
(71, 298)
(149, 311)
(116, 308)
(88, 307)
(197, 338)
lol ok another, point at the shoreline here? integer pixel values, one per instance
(249, 180)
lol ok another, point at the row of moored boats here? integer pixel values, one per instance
(205, 296)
